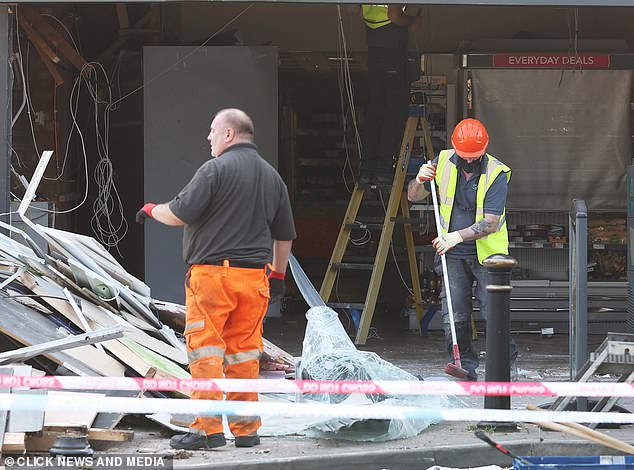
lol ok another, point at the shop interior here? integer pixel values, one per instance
(128, 124)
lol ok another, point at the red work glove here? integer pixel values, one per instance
(145, 213)
(277, 286)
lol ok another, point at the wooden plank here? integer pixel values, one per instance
(29, 327)
(43, 27)
(137, 322)
(75, 418)
(114, 47)
(4, 413)
(57, 77)
(37, 41)
(130, 358)
(122, 15)
(43, 441)
(165, 367)
(171, 314)
(135, 334)
(26, 421)
(46, 54)
(108, 421)
(14, 442)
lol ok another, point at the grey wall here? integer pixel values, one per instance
(184, 89)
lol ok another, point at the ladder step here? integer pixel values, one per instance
(366, 266)
(357, 306)
(410, 220)
(375, 185)
(361, 226)
(378, 225)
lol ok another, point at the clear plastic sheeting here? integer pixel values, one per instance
(329, 354)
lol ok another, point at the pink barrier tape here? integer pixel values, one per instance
(381, 387)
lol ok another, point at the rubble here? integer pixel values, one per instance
(74, 310)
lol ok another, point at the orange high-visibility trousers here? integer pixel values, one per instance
(225, 309)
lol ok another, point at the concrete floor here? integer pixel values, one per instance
(448, 444)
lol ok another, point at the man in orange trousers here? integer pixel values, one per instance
(237, 218)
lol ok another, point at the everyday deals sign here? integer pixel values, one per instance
(551, 61)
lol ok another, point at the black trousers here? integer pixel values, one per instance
(388, 94)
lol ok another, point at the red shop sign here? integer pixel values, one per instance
(551, 61)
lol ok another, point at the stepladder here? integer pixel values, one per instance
(396, 212)
(615, 356)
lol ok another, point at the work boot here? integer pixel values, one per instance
(248, 441)
(191, 441)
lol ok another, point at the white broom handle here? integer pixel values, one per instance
(432, 184)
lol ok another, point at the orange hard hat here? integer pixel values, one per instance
(470, 138)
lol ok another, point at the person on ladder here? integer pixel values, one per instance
(472, 189)
(386, 28)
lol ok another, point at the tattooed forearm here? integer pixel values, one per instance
(481, 227)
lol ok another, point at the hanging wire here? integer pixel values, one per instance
(346, 98)
(185, 57)
(398, 269)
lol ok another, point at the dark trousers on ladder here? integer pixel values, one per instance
(388, 98)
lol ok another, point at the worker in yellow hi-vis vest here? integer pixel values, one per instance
(386, 29)
(472, 189)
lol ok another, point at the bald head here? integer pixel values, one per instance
(237, 120)
(229, 127)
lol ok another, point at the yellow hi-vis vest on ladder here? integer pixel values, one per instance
(447, 179)
(375, 16)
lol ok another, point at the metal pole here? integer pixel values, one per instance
(6, 87)
(578, 291)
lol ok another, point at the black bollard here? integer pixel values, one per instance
(498, 332)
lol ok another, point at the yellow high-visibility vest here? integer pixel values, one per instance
(447, 179)
(375, 16)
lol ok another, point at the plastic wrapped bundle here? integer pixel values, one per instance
(329, 354)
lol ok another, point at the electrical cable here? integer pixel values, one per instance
(24, 97)
(108, 200)
(24, 77)
(185, 57)
(346, 93)
(65, 29)
(398, 269)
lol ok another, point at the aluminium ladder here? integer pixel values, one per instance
(614, 356)
(398, 199)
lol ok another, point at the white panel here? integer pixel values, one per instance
(185, 87)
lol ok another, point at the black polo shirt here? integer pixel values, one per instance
(234, 207)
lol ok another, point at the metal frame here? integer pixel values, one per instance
(554, 3)
(578, 290)
(6, 89)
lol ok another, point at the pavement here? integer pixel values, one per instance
(449, 444)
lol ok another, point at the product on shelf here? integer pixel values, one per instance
(607, 230)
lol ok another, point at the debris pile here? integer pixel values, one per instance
(74, 310)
